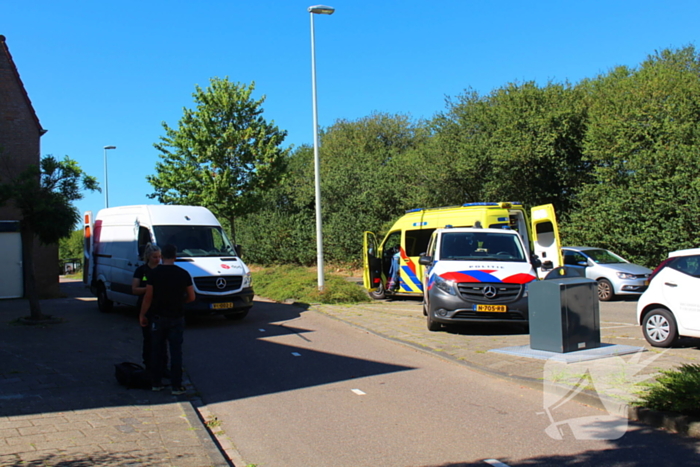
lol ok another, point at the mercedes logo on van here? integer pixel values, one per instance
(220, 283)
(490, 291)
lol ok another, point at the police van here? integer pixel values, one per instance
(476, 275)
(392, 267)
(115, 240)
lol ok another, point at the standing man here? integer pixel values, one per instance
(168, 288)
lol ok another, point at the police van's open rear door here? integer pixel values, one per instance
(88, 262)
(371, 264)
(545, 238)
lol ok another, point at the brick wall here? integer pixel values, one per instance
(20, 133)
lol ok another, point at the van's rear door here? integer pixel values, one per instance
(545, 237)
(372, 270)
(88, 263)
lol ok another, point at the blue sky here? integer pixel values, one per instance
(108, 73)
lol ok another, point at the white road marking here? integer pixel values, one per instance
(495, 463)
(261, 330)
(296, 354)
(358, 392)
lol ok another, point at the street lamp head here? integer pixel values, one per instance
(110, 147)
(321, 10)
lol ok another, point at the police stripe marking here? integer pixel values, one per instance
(358, 392)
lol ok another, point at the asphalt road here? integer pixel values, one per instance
(290, 387)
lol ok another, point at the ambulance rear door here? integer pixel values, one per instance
(545, 238)
(371, 262)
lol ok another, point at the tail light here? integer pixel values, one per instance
(658, 269)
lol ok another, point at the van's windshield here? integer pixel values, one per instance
(195, 240)
(471, 246)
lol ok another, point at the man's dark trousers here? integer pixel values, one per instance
(170, 330)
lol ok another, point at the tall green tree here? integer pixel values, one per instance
(363, 178)
(521, 142)
(643, 142)
(44, 195)
(71, 247)
(286, 216)
(363, 187)
(223, 154)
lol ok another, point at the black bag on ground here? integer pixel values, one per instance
(132, 375)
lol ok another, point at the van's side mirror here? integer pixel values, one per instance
(425, 260)
(536, 263)
(239, 250)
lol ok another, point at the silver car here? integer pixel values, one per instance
(615, 275)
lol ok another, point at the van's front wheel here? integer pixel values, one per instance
(432, 324)
(103, 303)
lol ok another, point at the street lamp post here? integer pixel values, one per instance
(106, 186)
(317, 10)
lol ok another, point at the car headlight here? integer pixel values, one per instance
(525, 287)
(247, 280)
(445, 285)
(625, 275)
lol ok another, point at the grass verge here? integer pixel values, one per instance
(674, 391)
(300, 284)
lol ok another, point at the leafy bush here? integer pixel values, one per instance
(287, 282)
(675, 391)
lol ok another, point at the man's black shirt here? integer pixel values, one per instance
(170, 284)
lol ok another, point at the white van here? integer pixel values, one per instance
(475, 275)
(114, 244)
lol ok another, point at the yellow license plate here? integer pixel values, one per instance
(221, 306)
(492, 308)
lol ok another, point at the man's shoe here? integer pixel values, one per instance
(178, 390)
(157, 388)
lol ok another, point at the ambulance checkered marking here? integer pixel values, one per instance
(415, 285)
(408, 271)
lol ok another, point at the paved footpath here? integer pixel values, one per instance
(60, 404)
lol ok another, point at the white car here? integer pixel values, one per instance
(670, 307)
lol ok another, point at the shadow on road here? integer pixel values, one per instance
(70, 365)
(242, 361)
(639, 447)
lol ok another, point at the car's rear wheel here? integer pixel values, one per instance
(606, 292)
(659, 328)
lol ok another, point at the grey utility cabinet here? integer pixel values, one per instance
(564, 314)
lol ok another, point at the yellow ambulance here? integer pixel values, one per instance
(392, 268)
